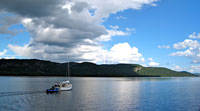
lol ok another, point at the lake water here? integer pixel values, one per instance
(101, 94)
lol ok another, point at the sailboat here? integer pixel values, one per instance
(61, 86)
(66, 85)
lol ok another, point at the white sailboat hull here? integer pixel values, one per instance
(66, 88)
(64, 85)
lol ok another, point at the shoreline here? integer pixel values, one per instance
(95, 76)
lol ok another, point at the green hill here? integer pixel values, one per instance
(34, 67)
(162, 72)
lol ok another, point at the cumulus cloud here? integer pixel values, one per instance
(187, 43)
(105, 8)
(194, 35)
(195, 69)
(152, 63)
(124, 53)
(62, 28)
(8, 20)
(164, 46)
(112, 33)
(120, 17)
(150, 59)
(21, 51)
(119, 53)
(131, 30)
(114, 27)
(177, 68)
(3, 52)
(4, 56)
(192, 50)
(10, 57)
(191, 69)
(36, 8)
(186, 53)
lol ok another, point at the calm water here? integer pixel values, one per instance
(101, 94)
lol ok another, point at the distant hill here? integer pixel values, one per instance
(196, 73)
(34, 67)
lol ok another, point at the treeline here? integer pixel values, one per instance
(34, 67)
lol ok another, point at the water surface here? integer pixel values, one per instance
(101, 94)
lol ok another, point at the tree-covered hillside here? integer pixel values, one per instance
(34, 67)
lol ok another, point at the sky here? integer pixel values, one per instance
(152, 33)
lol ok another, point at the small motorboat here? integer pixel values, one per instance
(52, 90)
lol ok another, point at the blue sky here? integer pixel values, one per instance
(166, 24)
(152, 33)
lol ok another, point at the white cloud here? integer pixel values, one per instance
(112, 33)
(186, 53)
(192, 50)
(26, 20)
(191, 69)
(105, 8)
(3, 52)
(152, 63)
(164, 46)
(194, 35)
(150, 59)
(6, 21)
(4, 56)
(24, 51)
(124, 53)
(72, 28)
(120, 17)
(114, 27)
(187, 43)
(11, 57)
(131, 30)
(195, 69)
(119, 53)
(177, 68)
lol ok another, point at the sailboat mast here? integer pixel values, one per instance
(68, 70)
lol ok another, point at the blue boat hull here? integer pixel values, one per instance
(52, 90)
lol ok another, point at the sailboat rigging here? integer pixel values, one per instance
(66, 85)
(62, 86)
